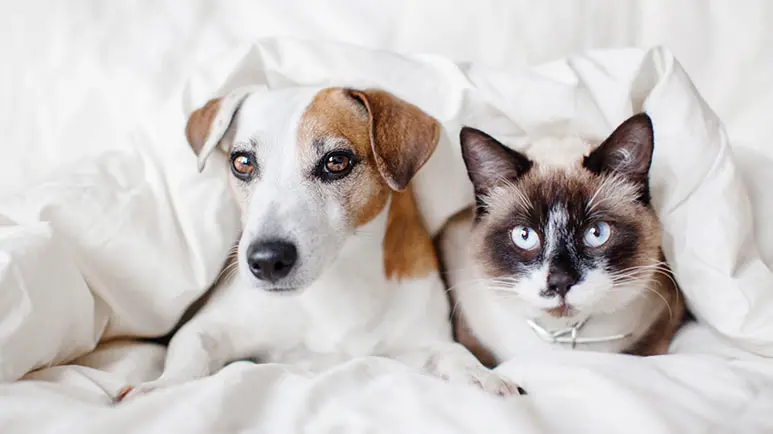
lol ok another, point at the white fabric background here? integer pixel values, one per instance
(100, 69)
(88, 78)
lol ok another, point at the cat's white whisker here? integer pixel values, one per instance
(646, 290)
(483, 283)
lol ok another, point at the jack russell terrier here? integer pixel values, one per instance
(333, 261)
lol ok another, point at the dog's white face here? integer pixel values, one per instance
(308, 168)
(302, 182)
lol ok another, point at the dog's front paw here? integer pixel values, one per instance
(487, 380)
(477, 375)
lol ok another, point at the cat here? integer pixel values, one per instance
(563, 251)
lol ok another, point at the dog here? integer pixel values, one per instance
(333, 261)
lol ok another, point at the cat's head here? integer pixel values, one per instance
(568, 241)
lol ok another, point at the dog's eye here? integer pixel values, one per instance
(335, 165)
(243, 165)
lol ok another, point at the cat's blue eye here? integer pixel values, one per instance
(597, 235)
(525, 238)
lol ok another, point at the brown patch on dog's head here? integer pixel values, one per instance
(336, 121)
(402, 136)
(388, 140)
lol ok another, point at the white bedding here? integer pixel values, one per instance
(119, 244)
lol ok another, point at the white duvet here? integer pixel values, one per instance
(118, 244)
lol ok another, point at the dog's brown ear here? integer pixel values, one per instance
(402, 136)
(199, 124)
(207, 125)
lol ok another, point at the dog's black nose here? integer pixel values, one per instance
(559, 283)
(271, 260)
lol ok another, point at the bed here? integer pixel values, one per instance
(108, 232)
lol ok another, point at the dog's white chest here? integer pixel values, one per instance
(289, 327)
(332, 320)
(343, 319)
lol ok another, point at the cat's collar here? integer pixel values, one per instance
(570, 335)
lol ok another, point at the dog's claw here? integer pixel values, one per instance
(122, 394)
(496, 385)
(128, 393)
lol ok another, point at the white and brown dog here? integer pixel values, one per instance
(333, 261)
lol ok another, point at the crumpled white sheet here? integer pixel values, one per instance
(706, 388)
(83, 225)
(104, 224)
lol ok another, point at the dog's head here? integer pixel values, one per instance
(308, 168)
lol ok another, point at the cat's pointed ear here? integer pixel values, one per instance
(627, 151)
(489, 162)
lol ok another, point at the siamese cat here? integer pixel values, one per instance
(562, 251)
